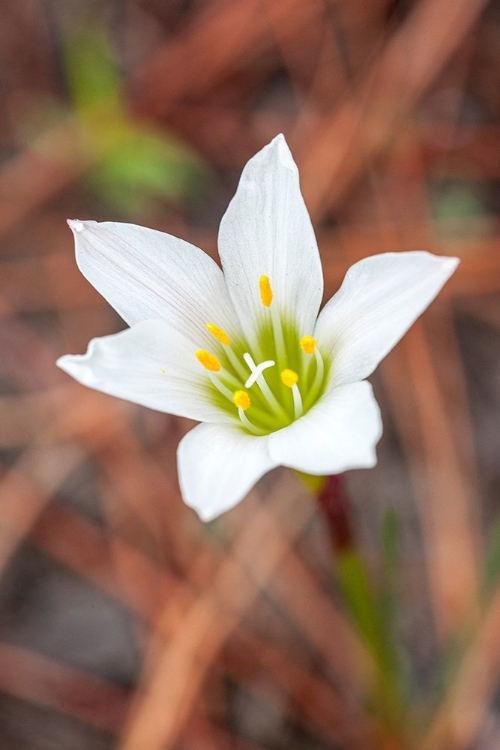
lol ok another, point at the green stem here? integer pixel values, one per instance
(372, 611)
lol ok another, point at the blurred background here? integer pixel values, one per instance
(126, 623)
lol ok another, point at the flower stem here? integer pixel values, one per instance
(366, 605)
(333, 502)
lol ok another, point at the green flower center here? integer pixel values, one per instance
(270, 382)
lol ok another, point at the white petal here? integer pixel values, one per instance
(218, 465)
(146, 275)
(380, 298)
(337, 434)
(150, 364)
(267, 231)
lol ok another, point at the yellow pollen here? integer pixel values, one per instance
(242, 400)
(218, 333)
(209, 361)
(308, 344)
(266, 293)
(289, 378)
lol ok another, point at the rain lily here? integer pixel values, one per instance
(243, 350)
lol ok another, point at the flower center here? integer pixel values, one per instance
(269, 382)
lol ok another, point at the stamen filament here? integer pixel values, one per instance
(308, 346)
(290, 378)
(249, 426)
(220, 386)
(266, 297)
(279, 338)
(269, 395)
(297, 402)
(237, 398)
(236, 363)
(320, 371)
(223, 373)
(222, 337)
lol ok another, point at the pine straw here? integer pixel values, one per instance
(247, 612)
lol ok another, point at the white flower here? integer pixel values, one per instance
(243, 350)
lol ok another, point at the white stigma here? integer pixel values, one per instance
(258, 377)
(256, 370)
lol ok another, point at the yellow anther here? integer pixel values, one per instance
(266, 293)
(289, 378)
(308, 344)
(242, 400)
(209, 361)
(218, 333)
